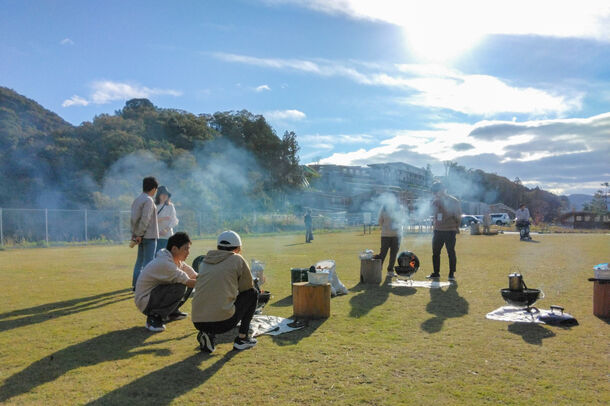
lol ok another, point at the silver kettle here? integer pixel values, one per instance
(515, 282)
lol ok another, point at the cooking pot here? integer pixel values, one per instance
(408, 263)
(515, 282)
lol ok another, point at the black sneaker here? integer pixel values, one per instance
(244, 343)
(433, 276)
(177, 315)
(451, 277)
(154, 323)
(206, 342)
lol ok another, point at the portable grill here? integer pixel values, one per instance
(519, 295)
(408, 264)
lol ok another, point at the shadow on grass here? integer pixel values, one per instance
(532, 333)
(297, 243)
(287, 301)
(113, 346)
(161, 387)
(372, 295)
(444, 304)
(39, 314)
(293, 337)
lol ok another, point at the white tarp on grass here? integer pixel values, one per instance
(419, 284)
(521, 315)
(271, 325)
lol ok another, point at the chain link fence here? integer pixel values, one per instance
(44, 227)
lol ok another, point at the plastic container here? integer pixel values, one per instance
(318, 278)
(602, 271)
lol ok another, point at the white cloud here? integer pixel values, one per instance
(108, 91)
(66, 41)
(563, 155)
(440, 29)
(330, 140)
(285, 115)
(262, 88)
(434, 86)
(75, 101)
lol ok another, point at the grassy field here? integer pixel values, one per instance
(70, 333)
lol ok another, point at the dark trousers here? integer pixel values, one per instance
(166, 299)
(308, 233)
(446, 238)
(391, 243)
(245, 305)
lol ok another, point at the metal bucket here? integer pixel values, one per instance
(515, 282)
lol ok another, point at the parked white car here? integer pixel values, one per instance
(500, 219)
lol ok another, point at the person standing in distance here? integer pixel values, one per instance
(447, 213)
(308, 226)
(144, 227)
(166, 216)
(224, 294)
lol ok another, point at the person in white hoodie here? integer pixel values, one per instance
(162, 286)
(166, 216)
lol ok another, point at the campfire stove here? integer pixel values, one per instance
(519, 295)
(408, 264)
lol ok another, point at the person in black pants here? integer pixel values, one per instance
(391, 232)
(224, 295)
(308, 226)
(447, 215)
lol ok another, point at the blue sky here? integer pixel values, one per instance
(518, 88)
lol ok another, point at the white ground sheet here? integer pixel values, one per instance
(272, 325)
(419, 284)
(518, 315)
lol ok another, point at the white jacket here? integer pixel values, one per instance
(166, 226)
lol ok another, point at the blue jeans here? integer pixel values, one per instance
(161, 243)
(146, 252)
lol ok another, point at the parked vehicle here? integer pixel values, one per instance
(500, 219)
(467, 220)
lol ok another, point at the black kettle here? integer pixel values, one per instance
(516, 283)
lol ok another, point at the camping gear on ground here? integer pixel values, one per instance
(311, 301)
(522, 315)
(602, 271)
(336, 287)
(298, 275)
(524, 230)
(367, 254)
(320, 277)
(519, 295)
(408, 264)
(370, 271)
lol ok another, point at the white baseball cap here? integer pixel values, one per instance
(229, 238)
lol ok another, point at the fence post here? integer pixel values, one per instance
(1, 231)
(120, 226)
(46, 225)
(86, 224)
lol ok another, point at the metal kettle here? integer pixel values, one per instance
(515, 282)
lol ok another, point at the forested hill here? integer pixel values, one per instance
(46, 162)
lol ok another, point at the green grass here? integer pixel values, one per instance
(70, 333)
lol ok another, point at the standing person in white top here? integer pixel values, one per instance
(522, 214)
(144, 227)
(166, 216)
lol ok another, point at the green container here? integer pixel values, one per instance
(298, 275)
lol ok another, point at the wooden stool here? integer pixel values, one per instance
(370, 271)
(311, 301)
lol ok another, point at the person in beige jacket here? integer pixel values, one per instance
(224, 294)
(162, 286)
(447, 214)
(391, 233)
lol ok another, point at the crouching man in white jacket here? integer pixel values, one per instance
(162, 286)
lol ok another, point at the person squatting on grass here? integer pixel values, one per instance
(144, 227)
(447, 215)
(224, 295)
(162, 286)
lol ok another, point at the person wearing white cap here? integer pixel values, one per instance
(224, 294)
